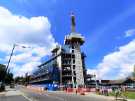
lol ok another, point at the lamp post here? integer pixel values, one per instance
(2, 86)
(14, 45)
(3, 83)
(10, 57)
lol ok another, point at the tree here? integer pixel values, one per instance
(9, 78)
(20, 80)
(2, 72)
(5, 76)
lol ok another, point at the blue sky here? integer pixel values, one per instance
(103, 23)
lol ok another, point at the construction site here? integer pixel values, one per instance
(66, 67)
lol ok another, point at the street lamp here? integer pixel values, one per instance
(2, 86)
(10, 57)
(14, 45)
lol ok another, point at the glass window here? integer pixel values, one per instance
(73, 61)
(74, 73)
(73, 56)
(72, 47)
(72, 51)
(73, 66)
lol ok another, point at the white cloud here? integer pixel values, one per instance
(118, 64)
(130, 32)
(26, 68)
(34, 32)
(19, 29)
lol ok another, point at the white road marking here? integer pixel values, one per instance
(55, 97)
(48, 95)
(27, 97)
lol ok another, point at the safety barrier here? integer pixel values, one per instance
(92, 89)
(81, 91)
(69, 90)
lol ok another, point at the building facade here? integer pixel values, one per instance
(67, 63)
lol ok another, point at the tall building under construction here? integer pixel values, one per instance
(67, 63)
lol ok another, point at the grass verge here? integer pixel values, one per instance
(129, 95)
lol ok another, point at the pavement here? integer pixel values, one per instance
(23, 94)
(92, 95)
(12, 95)
(59, 96)
(108, 97)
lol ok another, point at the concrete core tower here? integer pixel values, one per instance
(75, 40)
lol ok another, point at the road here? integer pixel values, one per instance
(12, 98)
(23, 94)
(12, 95)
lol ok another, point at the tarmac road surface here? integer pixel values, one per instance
(23, 94)
(59, 96)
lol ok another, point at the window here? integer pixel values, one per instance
(73, 66)
(75, 79)
(73, 61)
(73, 56)
(74, 73)
(72, 51)
(72, 47)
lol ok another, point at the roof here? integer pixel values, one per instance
(122, 81)
(116, 81)
(74, 36)
(105, 81)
